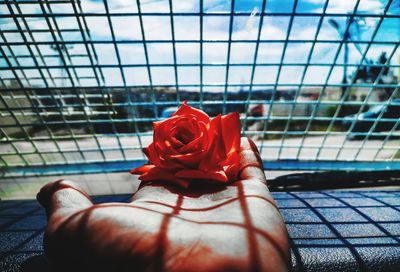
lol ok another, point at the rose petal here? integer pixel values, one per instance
(199, 143)
(162, 128)
(151, 154)
(176, 143)
(232, 158)
(164, 149)
(232, 165)
(155, 157)
(156, 124)
(231, 131)
(186, 109)
(170, 164)
(216, 152)
(217, 175)
(142, 169)
(206, 175)
(232, 171)
(164, 142)
(184, 135)
(188, 159)
(193, 146)
(157, 173)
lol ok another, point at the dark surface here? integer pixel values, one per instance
(329, 230)
(329, 180)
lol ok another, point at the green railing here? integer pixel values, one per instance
(316, 82)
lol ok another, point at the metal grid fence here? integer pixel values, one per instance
(81, 81)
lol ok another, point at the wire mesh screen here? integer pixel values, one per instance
(315, 81)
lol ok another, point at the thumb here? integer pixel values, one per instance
(250, 163)
(63, 194)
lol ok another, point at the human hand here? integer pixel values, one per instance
(165, 228)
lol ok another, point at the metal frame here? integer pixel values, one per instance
(51, 70)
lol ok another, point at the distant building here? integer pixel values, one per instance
(377, 72)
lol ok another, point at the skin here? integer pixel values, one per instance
(164, 228)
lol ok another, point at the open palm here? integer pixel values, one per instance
(165, 228)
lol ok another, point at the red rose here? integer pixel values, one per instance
(190, 146)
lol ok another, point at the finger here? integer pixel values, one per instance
(251, 166)
(63, 194)
(263, 212)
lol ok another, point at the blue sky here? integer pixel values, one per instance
(215, 28)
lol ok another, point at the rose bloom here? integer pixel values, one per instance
(189, 147)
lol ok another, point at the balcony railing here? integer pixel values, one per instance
(316, 82)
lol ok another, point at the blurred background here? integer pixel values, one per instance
(316, 83)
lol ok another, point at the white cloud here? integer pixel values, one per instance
(136, 75)
(215, 52)
(344, 6)
(187, 27)
(239, 75)
(269, 52)
(303, 33)
(99, 28)
(160, 53)
(106, 53)
(122, 32)
(312, 71)
(112, 76)
(189, 75)
(217, 5)
(163, 75)
(297, 52)
(214, 75)
(157, 28)
(274, 29)
(214, 27)
(242, 52)
(371, 5)
(93, 6)
(188, 52)
(290, 74)
(185, 6)
(132, 53)
(265, 74)
(336, 6)
(155, 6)
(148, 6)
